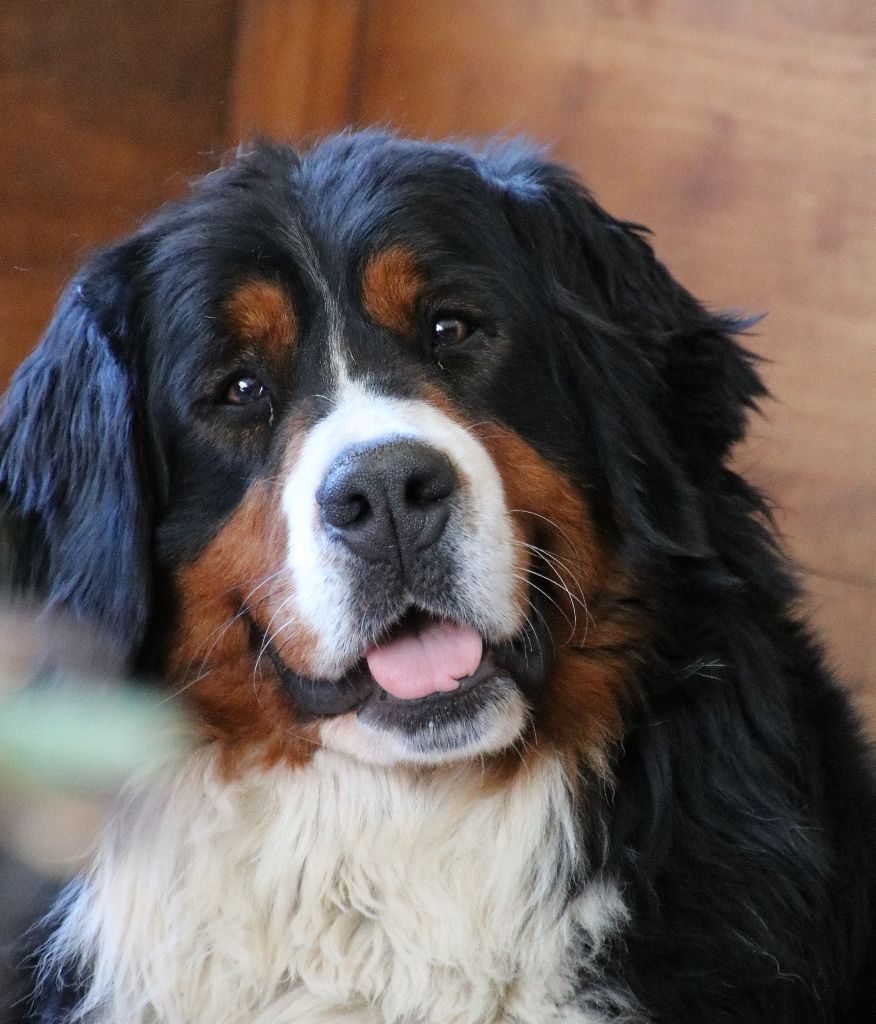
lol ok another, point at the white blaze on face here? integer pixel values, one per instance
(479, 534)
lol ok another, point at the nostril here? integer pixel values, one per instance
(358, 509)
(426, 489)
(345, 510)
(343, 500)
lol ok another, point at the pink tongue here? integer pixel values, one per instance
(428, 661)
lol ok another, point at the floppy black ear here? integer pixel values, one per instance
(663, 386)
(70, 473)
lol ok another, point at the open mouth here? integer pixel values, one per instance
(422, 674)
(421, 657)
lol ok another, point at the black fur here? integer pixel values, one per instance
(743, 826)
(70, 465)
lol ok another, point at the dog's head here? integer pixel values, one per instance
(378, 447)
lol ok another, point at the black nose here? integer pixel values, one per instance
(389, 501)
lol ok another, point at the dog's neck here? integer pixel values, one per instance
(338, 888)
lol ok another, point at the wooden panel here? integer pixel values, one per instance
(844, 615)
(26, 301)
(745, 134)
(297, 66)
(108, 110)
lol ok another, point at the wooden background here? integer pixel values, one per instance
(742, 131)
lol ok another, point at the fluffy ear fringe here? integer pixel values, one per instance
(627, 324)
(69, 473)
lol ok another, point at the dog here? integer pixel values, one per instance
(407, 467)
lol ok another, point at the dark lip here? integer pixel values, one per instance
(521, 662)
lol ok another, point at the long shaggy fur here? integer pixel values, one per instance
(410, 899)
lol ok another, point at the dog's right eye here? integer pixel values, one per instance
(244, 391)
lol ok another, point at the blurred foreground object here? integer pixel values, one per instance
(83, 736)
(70, 729)
(69, 737)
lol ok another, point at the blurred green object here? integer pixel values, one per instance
(79, 736)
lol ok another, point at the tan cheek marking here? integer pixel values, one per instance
(260, 312)
(582, 711)
(597, 650)
(212, 661)
(391, 285)
(547, 507)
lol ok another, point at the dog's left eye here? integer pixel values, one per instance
(244, 391)
(450, 330)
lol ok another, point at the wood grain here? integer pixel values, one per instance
(296, 71)
(108, 110)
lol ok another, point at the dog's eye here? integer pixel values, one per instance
(245, 391)
(450, 330)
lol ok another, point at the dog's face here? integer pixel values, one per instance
(379, 448)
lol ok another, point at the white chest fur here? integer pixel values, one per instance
(340, 893)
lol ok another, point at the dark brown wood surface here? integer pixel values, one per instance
(108, 108)
(296, 68)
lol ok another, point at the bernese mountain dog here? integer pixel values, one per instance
(407, 467)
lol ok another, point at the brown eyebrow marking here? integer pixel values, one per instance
(391, 285)
(261, 312)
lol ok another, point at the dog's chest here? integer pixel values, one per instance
(431, 904)
(345, 893)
